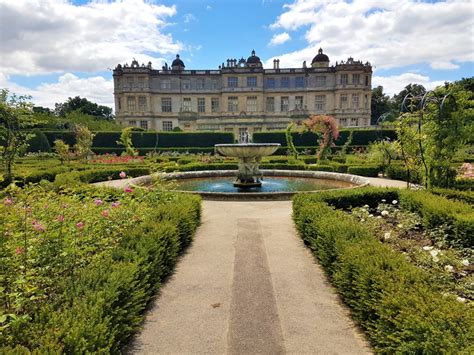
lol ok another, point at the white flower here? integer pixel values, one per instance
(449, 268)
(362, 220)
(394, 202)
(400, 225)
(371, 215)
(366, 206)
(460, 299)
(384, 200)
(427, 248)
(387, 235)
(379, 216)
(384, 213)
(434, 252)
(435, 259)
(465, 262)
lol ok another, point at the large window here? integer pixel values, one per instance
(343, 101)
(144, 124)
(355, 101)
(366, 101)
(251, 103)
(343, 122)
(215, 104)
(132, 123)
(285, 82)
(165, 83)
(187, 104)
(271, 83)
(299, 81)
(284, 104)
(215, 84)
(232, 104)
(141, 82)
(131, 103)
(201, 104)
(200, 84)
(320, 103)
(130, 82)
(356, 79)
(167, 125)
(320, 81)
(142, 106)
(344, 79)
(270, 104)
(166, 104)
(252, 81)
(186, 84)
(354, 122)
(232, 82)
(298, 102)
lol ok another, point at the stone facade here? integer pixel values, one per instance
(241, 96)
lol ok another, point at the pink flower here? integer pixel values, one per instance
(8, 201)
(105, 213)
(60, 218)
(37, 226)
(116, 204)
(98, 202)
(123, 175)
(19, 250)
(80, 225)
(128, 189)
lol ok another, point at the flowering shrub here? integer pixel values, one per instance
(84, 262)
(327, 127)
(466, 171)
(114, 159)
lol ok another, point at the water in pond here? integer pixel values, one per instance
(269, 184)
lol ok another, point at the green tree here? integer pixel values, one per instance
(414, 89)
(15, 117)
(84, 139)
(85, 106)
(38, 142)
(380, 104)
(62, 150)
(126, 141)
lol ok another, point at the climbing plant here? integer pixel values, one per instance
(289, 140)
(327, 130)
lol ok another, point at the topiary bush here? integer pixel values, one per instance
(38, 142)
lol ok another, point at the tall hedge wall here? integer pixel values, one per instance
(149, 139)
(359, 137)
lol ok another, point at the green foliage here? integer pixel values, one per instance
(364, 170)
(394, 301)
(84, 289)
(62, 150)
(38, 142)
(93, 123)
(437, 210)
(289, 140)
(399, 172)
(380, 104)
(83, 145)
(85, 106)
(383, 152)
(463, 196)
(126, 141)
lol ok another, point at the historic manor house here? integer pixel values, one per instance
(241, 96)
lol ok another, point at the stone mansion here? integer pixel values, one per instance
(241, 96)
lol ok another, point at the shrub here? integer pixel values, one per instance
(364, 170)
(464, 196)
(398, 172)
(38, 142)
(394, 301)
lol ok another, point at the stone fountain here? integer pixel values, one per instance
(249, 155)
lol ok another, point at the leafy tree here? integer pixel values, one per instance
(62, 150)
(38, 142)
(84, 139)
(15, 117)
(382, 153)
(94, 124)
(328, 131)
(85, 106)
(380, 104)
(289, 140)
(415, 89)
(126, 141)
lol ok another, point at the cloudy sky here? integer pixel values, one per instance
(54, 49)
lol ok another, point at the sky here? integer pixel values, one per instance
(55, 49)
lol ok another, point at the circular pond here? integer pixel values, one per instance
(269, 184)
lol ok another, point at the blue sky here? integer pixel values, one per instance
(54, 49)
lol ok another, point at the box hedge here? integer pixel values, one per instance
(395, 302)
(364, 170)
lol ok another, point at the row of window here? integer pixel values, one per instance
(166, 125)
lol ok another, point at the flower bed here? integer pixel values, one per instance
(79, 267)
(404, 305)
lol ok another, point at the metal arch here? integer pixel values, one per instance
(378, 125)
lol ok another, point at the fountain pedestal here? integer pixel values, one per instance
(249, 155)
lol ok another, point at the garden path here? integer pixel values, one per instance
(248, 284)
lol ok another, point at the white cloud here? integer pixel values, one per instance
(395, 83)
(208, 7)
(189, 18)
(95, 88)
(56, 36)
(279, 39)
(389, 33)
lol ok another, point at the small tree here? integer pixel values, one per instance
(62, 150)
(84, 139)
(289, 140)
(383, 152)
(38, 142)
(327, 130)
(126, 141)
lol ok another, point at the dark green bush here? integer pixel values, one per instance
(38, 142)
(398, 172)
(393, 300)
(464, 196)
(364, 170)
(320, 167)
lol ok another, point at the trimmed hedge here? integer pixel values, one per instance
(145, 151)
(464, 196)
(398, 172)
(394, 301)
(149, 139)
(437, 210)
(360, 137)
(364, 170)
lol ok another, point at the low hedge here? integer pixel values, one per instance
(437, 210)
(464, 196)
(145, 151)
(364, 170)
(398, 172)
(394, 301)
(96, 175)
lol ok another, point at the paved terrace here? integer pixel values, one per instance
(248, 285)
